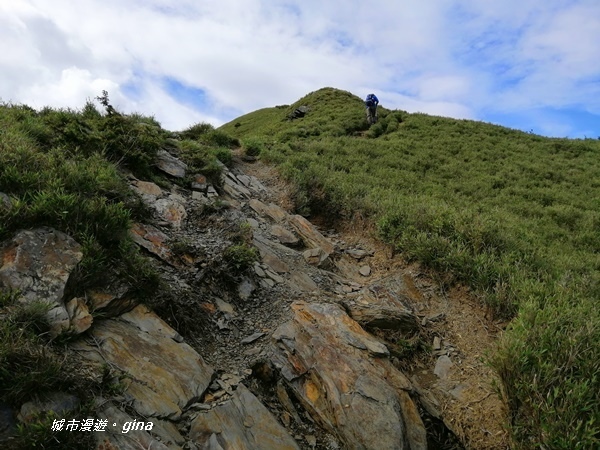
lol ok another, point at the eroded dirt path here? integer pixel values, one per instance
(451, 373)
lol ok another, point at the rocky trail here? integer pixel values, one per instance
(327, 341)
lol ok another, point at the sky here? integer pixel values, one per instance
(532, 65)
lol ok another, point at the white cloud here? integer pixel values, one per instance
(459, 58)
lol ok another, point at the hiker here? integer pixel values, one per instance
(371, 103)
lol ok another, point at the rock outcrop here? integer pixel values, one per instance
(342, 376)
(38, 264)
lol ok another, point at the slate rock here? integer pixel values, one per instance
(284, 236)
(170, 165)
(443, 366)
(58, 402)
(114, 437)
(38, 263)
(241, 423)
(164, 375)
(310, 235)
(380, 307)
(342, 375)
(79, 315)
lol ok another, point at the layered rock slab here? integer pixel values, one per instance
(164, 374)
(343, 377)
(38, 263)
(240, 423)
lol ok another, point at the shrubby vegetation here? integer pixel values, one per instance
(66, 169)
(514, 215)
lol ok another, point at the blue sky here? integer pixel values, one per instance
(533, 65)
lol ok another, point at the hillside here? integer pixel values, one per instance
(271, 283)
(513, 215)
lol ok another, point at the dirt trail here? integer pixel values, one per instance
(457, 327)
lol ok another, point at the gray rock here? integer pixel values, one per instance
(381, 307)
(253, 337)
(365, 271)
(170, 165)
(303, 282)
(38, 263)
(116, 436)
(284, 236)
(58, 402)
(443, 366)
(163, 375)
(240, 423)
(342, 375)
(5, 202)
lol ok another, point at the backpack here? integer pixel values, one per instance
(369, 102)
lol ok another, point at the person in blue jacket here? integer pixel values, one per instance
(371, 103)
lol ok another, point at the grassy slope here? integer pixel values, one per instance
(63, 168)
(514, 215)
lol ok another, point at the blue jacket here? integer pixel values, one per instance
(371, 100)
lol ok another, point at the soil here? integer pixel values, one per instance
(469, 404)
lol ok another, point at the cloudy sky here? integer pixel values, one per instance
(526, 64)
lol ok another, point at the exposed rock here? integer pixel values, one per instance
(342, 375)
(310, 235)
(254, 337)
(112, 302)
(171, 210)
(276, 213)
(303, 282)
(153, 240)
(200, 183)
(58, 402)
(149, 191)
(270, 258)
(164, 375)
(284, 236)
(365, 271)
(211, 192)
(115, 435)
(245, 289)
(170, 165)
(358, 254)
(240, 423)
(5, 202)
(437, 343)
(378, 306)
(317, 257)
(38, 263)
(299, 112)
(79, 315)
(443, 366)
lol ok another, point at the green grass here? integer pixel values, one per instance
(514, 215)
(66, 169)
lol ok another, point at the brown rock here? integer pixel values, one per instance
(342, 376)
(79, 315)
(284, 236)
(153, 240)
(147, 188)
(310, 235)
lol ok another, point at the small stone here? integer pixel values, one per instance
(443, 366)
(253, 337)
(437, 343)
(311, 440)
(365, 271)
